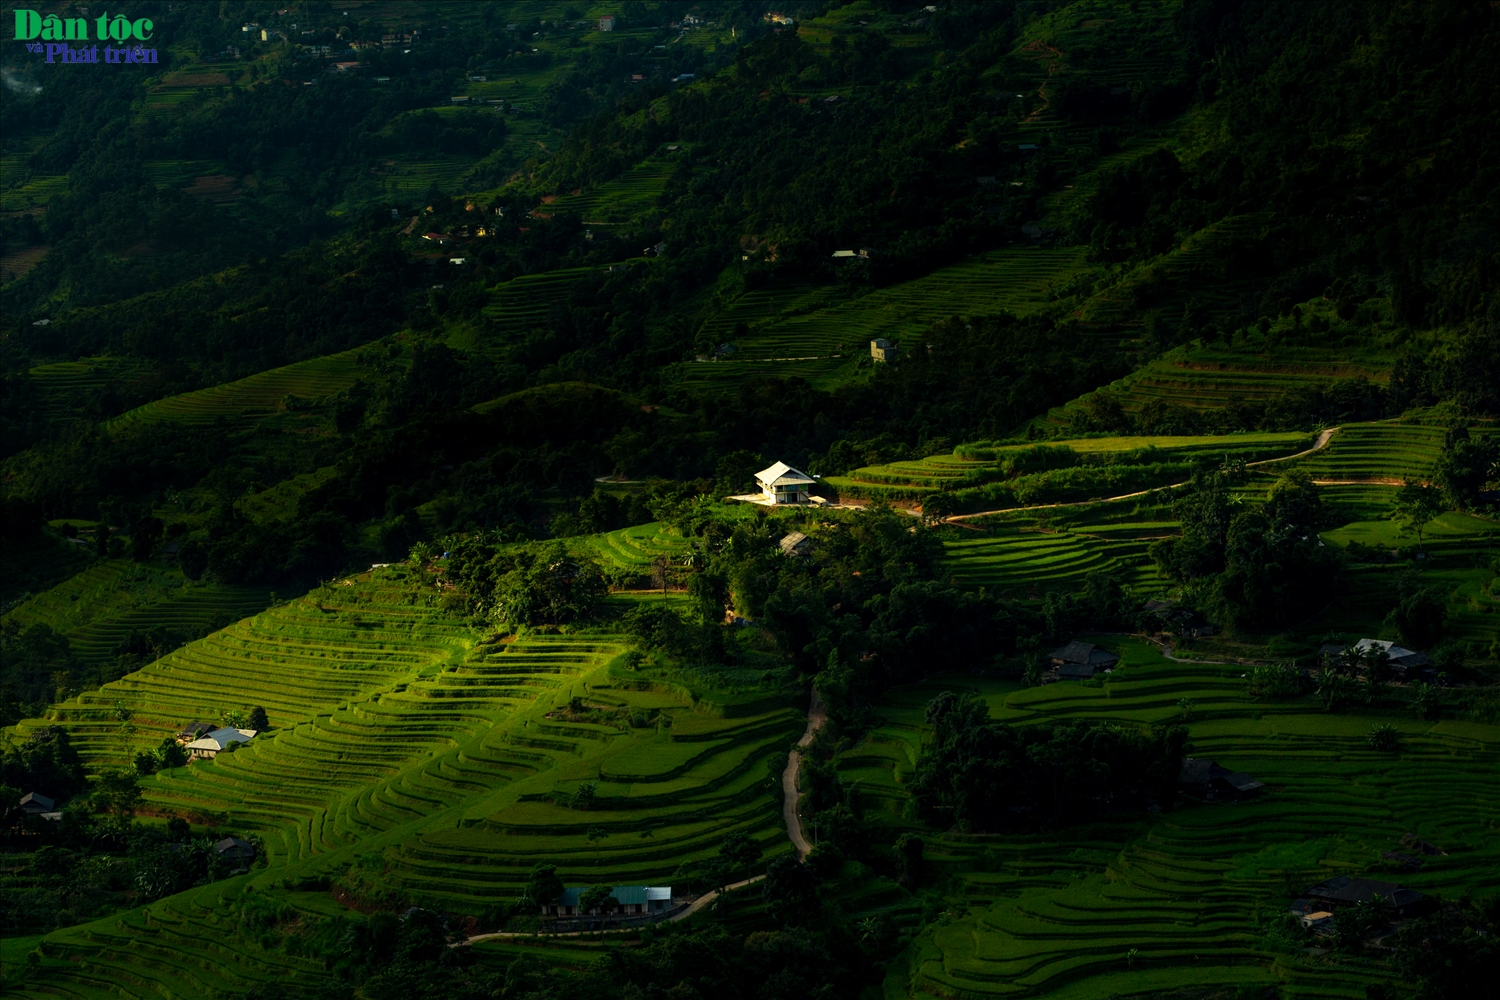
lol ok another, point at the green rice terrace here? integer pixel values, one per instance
(993, 475)
(398, 730)
(102, 607)
(1189, 897)
(296, 389)
(815, 332)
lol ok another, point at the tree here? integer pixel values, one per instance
(937, 508)
(543, 887)
(1419, 618)
(1417, 505)
(145, 535)
(583, 798)
(599, 897)
(257, 720)
(101, 540)
(739, 852)
(1384, 737)
(791, 890)
(1467, 465)
(118, 792)
(908, 852)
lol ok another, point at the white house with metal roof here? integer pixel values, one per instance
(783, 484)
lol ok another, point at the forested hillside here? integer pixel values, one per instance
(379, 378)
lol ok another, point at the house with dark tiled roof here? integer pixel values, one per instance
(1081, 660)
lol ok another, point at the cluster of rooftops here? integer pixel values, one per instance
(204, 740)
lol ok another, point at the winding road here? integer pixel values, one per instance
(817, 717)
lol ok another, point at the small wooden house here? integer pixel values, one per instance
(1207, 780)
(1081, 660)
(796, 544)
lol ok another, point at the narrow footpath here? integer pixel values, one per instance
(816, 718)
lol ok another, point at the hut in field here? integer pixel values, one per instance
(796, 544)
(1081, 660)
(1207, 780)
(1346, 890)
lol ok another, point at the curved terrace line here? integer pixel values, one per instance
(1318, 445)
(817, 717)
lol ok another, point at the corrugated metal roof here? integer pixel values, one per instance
(781, 473)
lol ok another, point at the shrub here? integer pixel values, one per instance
(1275, 681)
(1384, 737)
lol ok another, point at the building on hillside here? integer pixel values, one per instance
(783, 484)
(236, 850)
(626, 904)
(1404, 663)
(438, 238)
(883, 350)
(1207, 780)
(34, 803)
(1081, 660)
(193, 730)
(607, 22)
(1346, 890)
(208, 746)
(1177, 620)
(796, 544)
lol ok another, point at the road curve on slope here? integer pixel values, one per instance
(1318, 445)
(816, 717)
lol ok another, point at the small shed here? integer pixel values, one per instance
(1346, 890)
(783, 484)
(235, 849)
(33, 803)
(1403, 662)
(1082, 659)
(1207, 780)
(796, 544)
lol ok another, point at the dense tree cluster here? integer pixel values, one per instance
(983, 776)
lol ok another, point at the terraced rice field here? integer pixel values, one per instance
(250, 399)
(1198, 377)
(629, 196)
(67, 386)
(1019, 556)
(636, 548)
(414, 176)
(801, 325)
(1184, 898)
(978, 463)
(400, 731)
(99, 608)
(523, 304)
(1388, 451)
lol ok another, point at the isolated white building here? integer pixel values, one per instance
(783, 484)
